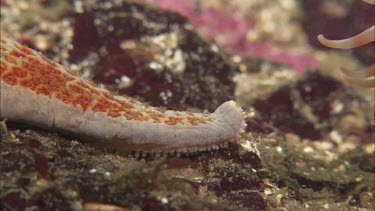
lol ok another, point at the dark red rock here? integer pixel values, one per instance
(305, 182)
(98, 30)
(258, 125)
(283, 109)
(192, 184)
(34, 143)
(231, 183)
(175, 163)
(248, 158)
(234, 181)
(317, 185)
(21, 161)
(50, 198)
(64, 153)
(249, 200)
(315, 90)
(279, 111)
(228, 154)
(41, 164)
(148, 202)
(13, 200)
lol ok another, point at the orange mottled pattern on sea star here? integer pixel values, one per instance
(21, 66)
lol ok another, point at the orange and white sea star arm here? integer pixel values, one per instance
(38, 91)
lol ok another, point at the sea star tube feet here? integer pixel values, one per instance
(38, 91)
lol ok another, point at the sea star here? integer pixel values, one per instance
(364, 78)
(41, 92)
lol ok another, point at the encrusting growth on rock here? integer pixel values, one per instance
(38, 91)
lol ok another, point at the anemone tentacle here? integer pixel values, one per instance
(367, 78)
(363, 38)
(363, 78)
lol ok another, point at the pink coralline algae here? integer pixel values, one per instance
(296, 61)
(230, 31)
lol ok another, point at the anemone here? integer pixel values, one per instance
(365, 77)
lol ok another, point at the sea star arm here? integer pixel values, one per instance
(38, 91)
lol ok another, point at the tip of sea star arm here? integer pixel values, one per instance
(233, 116)
(363, 38)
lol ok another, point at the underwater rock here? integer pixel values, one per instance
(150, 54)
(313, 106)
(43, 169)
